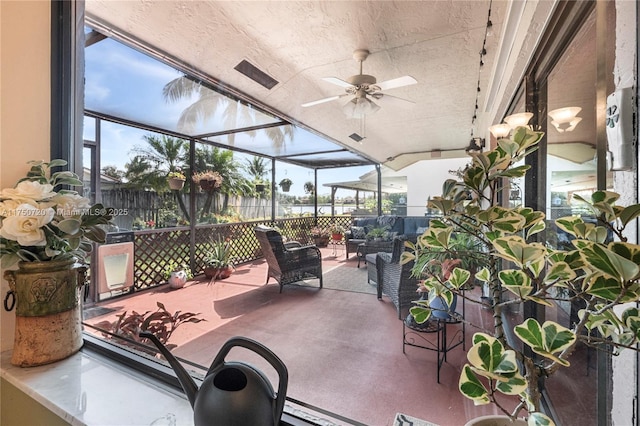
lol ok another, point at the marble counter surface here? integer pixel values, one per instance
(87, 389)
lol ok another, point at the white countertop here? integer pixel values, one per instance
(87, 389)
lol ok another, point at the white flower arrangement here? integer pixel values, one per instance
(42, 221)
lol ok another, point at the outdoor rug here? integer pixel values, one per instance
(404, 420)
(346, 278)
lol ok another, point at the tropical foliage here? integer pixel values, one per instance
(160, 323)
(595, 272)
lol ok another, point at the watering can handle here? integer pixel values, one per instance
(266, 353)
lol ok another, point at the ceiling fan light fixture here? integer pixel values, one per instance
(517, 120)
(358, 107)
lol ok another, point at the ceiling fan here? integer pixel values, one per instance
(363, 87)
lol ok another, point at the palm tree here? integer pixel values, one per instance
(152, 163)
(257, 167)
(235, 114)
(169, 154)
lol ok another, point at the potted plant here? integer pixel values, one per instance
(219, 262)
(176, 180)
(260, 186)
(320, 236)
(209, 180)
(309, 187)
(377, 234)
(336, 231)
(48, 230)
(177, 274)
(285, 184)
(602, 275)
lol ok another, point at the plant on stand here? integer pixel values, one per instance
(47, 230)
(336, 231)
(598, 274)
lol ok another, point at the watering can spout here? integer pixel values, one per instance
(186, 381)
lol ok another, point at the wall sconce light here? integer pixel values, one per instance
(500, 130)
(475, 146)
(517, 120)
(565, 119)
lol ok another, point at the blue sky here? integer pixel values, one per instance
(123, 82)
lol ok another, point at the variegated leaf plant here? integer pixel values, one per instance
(602, 273)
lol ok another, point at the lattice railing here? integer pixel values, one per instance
(155, 248)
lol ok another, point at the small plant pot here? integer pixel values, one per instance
(336, 237)
(215, 273)
(321, 241)
(176, 184)
(177, 279)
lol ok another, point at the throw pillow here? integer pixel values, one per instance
(358, 233)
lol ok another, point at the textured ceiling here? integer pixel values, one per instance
(299, 42)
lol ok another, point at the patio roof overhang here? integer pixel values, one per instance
(369, 186)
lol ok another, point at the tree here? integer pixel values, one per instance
(113, 172)
(152, 163)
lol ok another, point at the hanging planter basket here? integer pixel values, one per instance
(285, 188)
(209, 185)
(175, 184)
(260, 187)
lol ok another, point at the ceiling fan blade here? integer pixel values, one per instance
(337, 81)
(407, 80)
(386, 98)
(321, 101)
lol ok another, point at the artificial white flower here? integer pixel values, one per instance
(30, 190)
(70, 205)
(25, 226)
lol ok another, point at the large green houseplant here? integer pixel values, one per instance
(598, 273)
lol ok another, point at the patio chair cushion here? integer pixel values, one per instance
(358, 232)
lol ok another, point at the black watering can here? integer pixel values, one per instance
(232, 393)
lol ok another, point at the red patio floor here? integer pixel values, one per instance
(343, 349)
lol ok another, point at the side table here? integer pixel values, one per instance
(335, 245)
(414, 334)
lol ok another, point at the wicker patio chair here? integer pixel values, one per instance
(290, 262)
(395, 280)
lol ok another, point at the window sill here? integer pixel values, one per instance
(88, 389)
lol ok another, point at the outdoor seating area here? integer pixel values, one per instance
(339, 334)
(428, 211)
